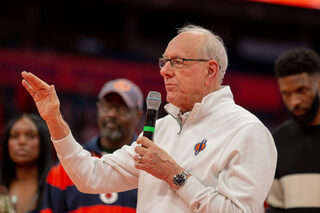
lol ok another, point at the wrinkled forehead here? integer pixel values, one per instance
(185, 45)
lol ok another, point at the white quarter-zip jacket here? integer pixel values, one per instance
(229, 153)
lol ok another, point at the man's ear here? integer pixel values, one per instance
(213, 70)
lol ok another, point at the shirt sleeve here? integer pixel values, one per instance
(110, 173)
(247, 170)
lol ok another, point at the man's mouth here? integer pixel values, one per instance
(111, 125)
(299, 111)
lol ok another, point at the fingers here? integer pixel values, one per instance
(140, 150)
(147, 146)
(53, 94)
(139, 161)
(138, 158)
(34, 81)
(28, 87)
(145, 142)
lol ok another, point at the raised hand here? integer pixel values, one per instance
(47, 102)
(44, 96)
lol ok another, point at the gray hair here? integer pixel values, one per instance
(212, 47)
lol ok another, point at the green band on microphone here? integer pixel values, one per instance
(148, 128)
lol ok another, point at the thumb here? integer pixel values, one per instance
(54, 96)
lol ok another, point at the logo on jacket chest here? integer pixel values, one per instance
(200, 147)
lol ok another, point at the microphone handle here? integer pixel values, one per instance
(149, 127)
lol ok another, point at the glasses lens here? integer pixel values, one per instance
(177, 63)
(162, 62)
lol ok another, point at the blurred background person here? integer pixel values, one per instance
(26, 160)
(119, 109)
(297, 179)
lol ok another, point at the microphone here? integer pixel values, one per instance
(153, 104)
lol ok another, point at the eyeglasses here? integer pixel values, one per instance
(177, 63)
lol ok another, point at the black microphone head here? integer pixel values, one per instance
(153, 100)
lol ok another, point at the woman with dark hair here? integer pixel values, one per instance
(25, 161)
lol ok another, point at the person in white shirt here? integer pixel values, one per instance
(208, 154)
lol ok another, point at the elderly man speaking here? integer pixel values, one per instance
(208, 154)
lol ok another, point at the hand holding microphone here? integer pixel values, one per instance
(150, 157)
(153, 103)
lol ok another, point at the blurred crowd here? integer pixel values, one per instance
(78, 110)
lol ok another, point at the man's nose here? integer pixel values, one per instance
(167, 69)
(295, 101)
(112, 112)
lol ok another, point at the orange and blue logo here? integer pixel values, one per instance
(200, 146)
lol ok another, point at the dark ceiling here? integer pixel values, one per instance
(254, 33)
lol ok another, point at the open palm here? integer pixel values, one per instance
(44, 96)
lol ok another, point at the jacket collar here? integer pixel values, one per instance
(209, 103)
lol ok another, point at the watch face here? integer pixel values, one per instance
(179, 179)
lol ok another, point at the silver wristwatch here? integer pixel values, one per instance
(180, 179)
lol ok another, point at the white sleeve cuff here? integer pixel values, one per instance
(188, 192)
(62, 139)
